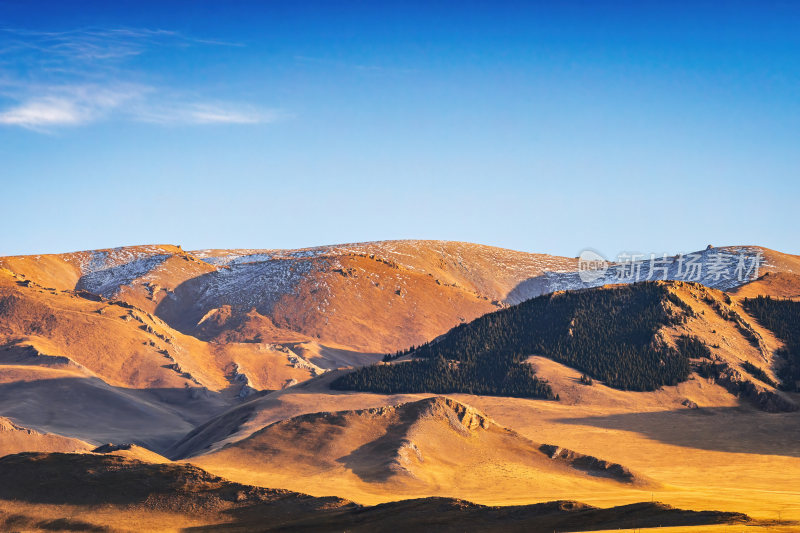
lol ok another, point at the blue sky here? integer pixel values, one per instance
(548, 127)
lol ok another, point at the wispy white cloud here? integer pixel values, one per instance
(73, 78)
(95, 44)
(182, 112)
(70, 105)
(64, 106)
(37, 114)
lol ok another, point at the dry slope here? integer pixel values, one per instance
(88, 492)
(434, 446)
(374, 297)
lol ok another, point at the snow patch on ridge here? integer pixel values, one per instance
(724, 279)
(249, 285)
(105, 272)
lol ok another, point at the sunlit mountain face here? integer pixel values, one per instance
(455, 267)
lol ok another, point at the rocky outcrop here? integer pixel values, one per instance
(110, 447)
(27, 354)
(462, 418)
(589, 464)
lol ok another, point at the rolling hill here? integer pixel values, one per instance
(88, 492)
(233, 358)
(436, 445)
(632, 337)
(83, 366)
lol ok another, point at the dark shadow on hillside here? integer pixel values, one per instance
(90, 480)
(211, 431)
(450, 515)
(223, 424)
(85, 479)
(377, 461)
(724, 429)
(21, 522)
(90, 409)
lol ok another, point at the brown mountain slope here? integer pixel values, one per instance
(434, 446)
(374, 297)
(775, 284)
(737, 344)
(726, 454)
(90, 492)
(15, 439)
(733, 338)
(706, 425)
(99, 370)
(618, 333)
(105, 270)
(131, 451)
(369, 297)
(350, 301)
(124, 345)
(69, 364)
(488, 271)
(723, 268)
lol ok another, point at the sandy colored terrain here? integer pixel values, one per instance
(730, 457)
(105, 371)
(777, 285)
(367, 297)
(15, 439)
(223, 359)
(433, 446)
(97, 492)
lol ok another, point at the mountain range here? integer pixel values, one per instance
(386, 371)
